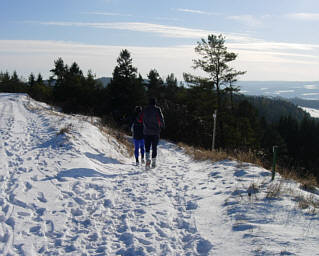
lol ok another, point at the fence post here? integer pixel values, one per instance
(214, 130)
(274, 160)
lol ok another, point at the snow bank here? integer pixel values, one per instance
(312, 111)
(75, 193)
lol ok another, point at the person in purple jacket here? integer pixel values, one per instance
(138, 136)
(153, 122)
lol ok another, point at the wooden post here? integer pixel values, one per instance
(274, 160)
(214, 130)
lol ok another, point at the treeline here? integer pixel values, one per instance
(273, 109)
(243, 123)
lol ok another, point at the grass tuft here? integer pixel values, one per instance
(66, 129)
(274, 190)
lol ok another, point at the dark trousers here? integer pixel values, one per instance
(151, 140)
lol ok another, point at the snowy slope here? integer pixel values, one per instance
(77, 194)
(312, 111)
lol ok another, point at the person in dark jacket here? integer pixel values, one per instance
(138, 136)
(153, 122)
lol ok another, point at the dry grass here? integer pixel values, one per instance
(121, 138)
(308, 202)
(65, 129)
(200, 154)
(274, 190)
(247, 157)
(219, 155)
(253, 189)
(307, 182)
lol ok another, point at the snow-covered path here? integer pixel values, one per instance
(77, 194)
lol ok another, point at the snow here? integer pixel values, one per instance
(312, 111)
(78, 193)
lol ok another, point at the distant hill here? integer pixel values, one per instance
(104, 80)
(304, 103)
(272, 109)
(308, 90)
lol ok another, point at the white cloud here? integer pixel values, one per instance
(284, 91)
(108, 14)
(310, 94)
(247, 20)
(304, 16)
(163, 30)
(101, 59)
(166, 18)
(255, 44)
(311, 87)
(264, 60)
(196, 11)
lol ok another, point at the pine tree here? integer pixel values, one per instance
(124, 69)
(214, 59)
(31, 80)
(155, 84)
(126, 90)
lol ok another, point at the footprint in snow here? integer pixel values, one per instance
(242, 227)
(36, 230)
(203, 247)
(9, 154)
(49, 227)
(240, 173)
(28, 186)
(76, 212)
(41, 198)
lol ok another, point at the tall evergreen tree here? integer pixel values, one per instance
(58, 76)
(39, 79)
(214, 59)
(4, 81)
(171, 87)
(124, 69)
(155, 84)
(125, 90)
(31, 80)
(59, 70)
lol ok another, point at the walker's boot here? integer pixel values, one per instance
(153, 162)
(148, 164)
(148, 161)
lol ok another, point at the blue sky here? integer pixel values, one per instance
(274, 39)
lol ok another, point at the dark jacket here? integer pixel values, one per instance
(137, 127)
(153, 120)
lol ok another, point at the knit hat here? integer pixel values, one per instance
(152, 101)
(138, 109)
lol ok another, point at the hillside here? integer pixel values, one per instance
(69, 189)
(305, 103)
(104, 81)
(272, 109)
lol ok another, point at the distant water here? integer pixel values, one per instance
(286, 89)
